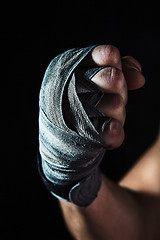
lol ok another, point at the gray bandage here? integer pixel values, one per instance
(70, 126)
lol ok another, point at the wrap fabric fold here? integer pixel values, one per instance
(70, 143)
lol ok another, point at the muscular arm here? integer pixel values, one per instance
(129, 209)
(144, 176)
(115, 214)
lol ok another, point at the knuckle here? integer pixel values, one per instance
(106, 55)
(103, 78)
(106, 73)
(111, 49)
(116, 75)
(117, 78)
(110, 78)
(112, 52)
(116, 127)
(118, 102)
(118, 82)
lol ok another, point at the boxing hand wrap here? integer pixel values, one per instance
(70, 126)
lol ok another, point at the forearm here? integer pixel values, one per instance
(114, 214)
(127, 210)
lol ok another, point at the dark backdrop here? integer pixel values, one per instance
(28, 43)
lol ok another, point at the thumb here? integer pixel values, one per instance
(132, 73)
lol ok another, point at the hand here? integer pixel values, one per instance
(119, 76)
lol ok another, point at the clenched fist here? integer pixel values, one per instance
(119, 76)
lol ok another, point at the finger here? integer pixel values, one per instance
(132, 72)
(112, 105)
(134, 79)
(113, 134)
(105, 55)
(131, 62)
(111, 80)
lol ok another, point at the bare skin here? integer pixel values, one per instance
(130, 209)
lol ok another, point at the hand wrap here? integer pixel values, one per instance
(70, 126)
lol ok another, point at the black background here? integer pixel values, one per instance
(30, 38)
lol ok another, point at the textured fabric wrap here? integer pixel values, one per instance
(70, 143)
